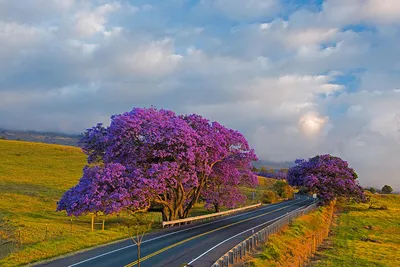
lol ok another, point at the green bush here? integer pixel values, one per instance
(387, 189)
(268, 196)
(283, 189)
(372, 190)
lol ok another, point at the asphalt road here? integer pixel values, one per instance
(198, 244)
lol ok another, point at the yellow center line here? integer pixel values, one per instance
(203, 234)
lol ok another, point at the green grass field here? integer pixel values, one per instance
(33, 177)
(365, 237)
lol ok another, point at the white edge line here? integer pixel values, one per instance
(172, 233)
(240, 234)
(101, 255)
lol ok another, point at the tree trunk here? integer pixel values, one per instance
(164, 213)
(216, 207)
(138, 254)
(194, 200)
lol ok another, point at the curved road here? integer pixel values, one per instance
(199, 244)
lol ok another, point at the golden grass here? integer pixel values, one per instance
(294, 243)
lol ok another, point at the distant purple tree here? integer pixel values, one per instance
(279, 175)
(328, 176)
(155, 156)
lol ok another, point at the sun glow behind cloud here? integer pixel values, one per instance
(311, 124)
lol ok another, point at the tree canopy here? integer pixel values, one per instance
(151, 156)
(387, 189)
(328, 176)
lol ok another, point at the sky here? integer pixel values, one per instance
(298, 78)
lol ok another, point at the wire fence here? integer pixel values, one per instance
(8, 244)
(238, 253)
(13, 239)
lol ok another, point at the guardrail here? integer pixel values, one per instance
(239, 251)
(208, 216)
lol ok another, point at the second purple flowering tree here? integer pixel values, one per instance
(328, 176)
(150, 156)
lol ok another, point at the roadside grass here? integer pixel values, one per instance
(290, 246)
(33, 177)
(363, 236)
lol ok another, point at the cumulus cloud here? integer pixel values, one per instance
(90, 22)
(369, 11)
(296, 80)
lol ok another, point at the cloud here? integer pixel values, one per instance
(311, 124)
(296, 80)
(152, 59)
(310, 36)
(369, 11)
(90, 22)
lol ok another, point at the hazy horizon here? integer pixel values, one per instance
(298, 78)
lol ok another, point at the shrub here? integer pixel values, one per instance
(283, 189)
(372, 190)
(268, 196)
(387, 189)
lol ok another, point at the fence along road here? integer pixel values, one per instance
(175, 246)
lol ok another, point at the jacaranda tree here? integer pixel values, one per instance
(328, 176)
(151, 156)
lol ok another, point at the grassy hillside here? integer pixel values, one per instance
(364, 236)
(33, 177)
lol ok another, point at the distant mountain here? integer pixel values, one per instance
(42, 137)
(273, 164)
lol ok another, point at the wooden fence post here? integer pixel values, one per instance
(103, 226)
(92, 222)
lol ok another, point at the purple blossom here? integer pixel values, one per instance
(151, 156)
(328, 176)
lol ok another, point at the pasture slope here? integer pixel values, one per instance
(364, 237)
(33, 177)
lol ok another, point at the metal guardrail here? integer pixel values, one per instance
(208, 216)
(239, 251)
